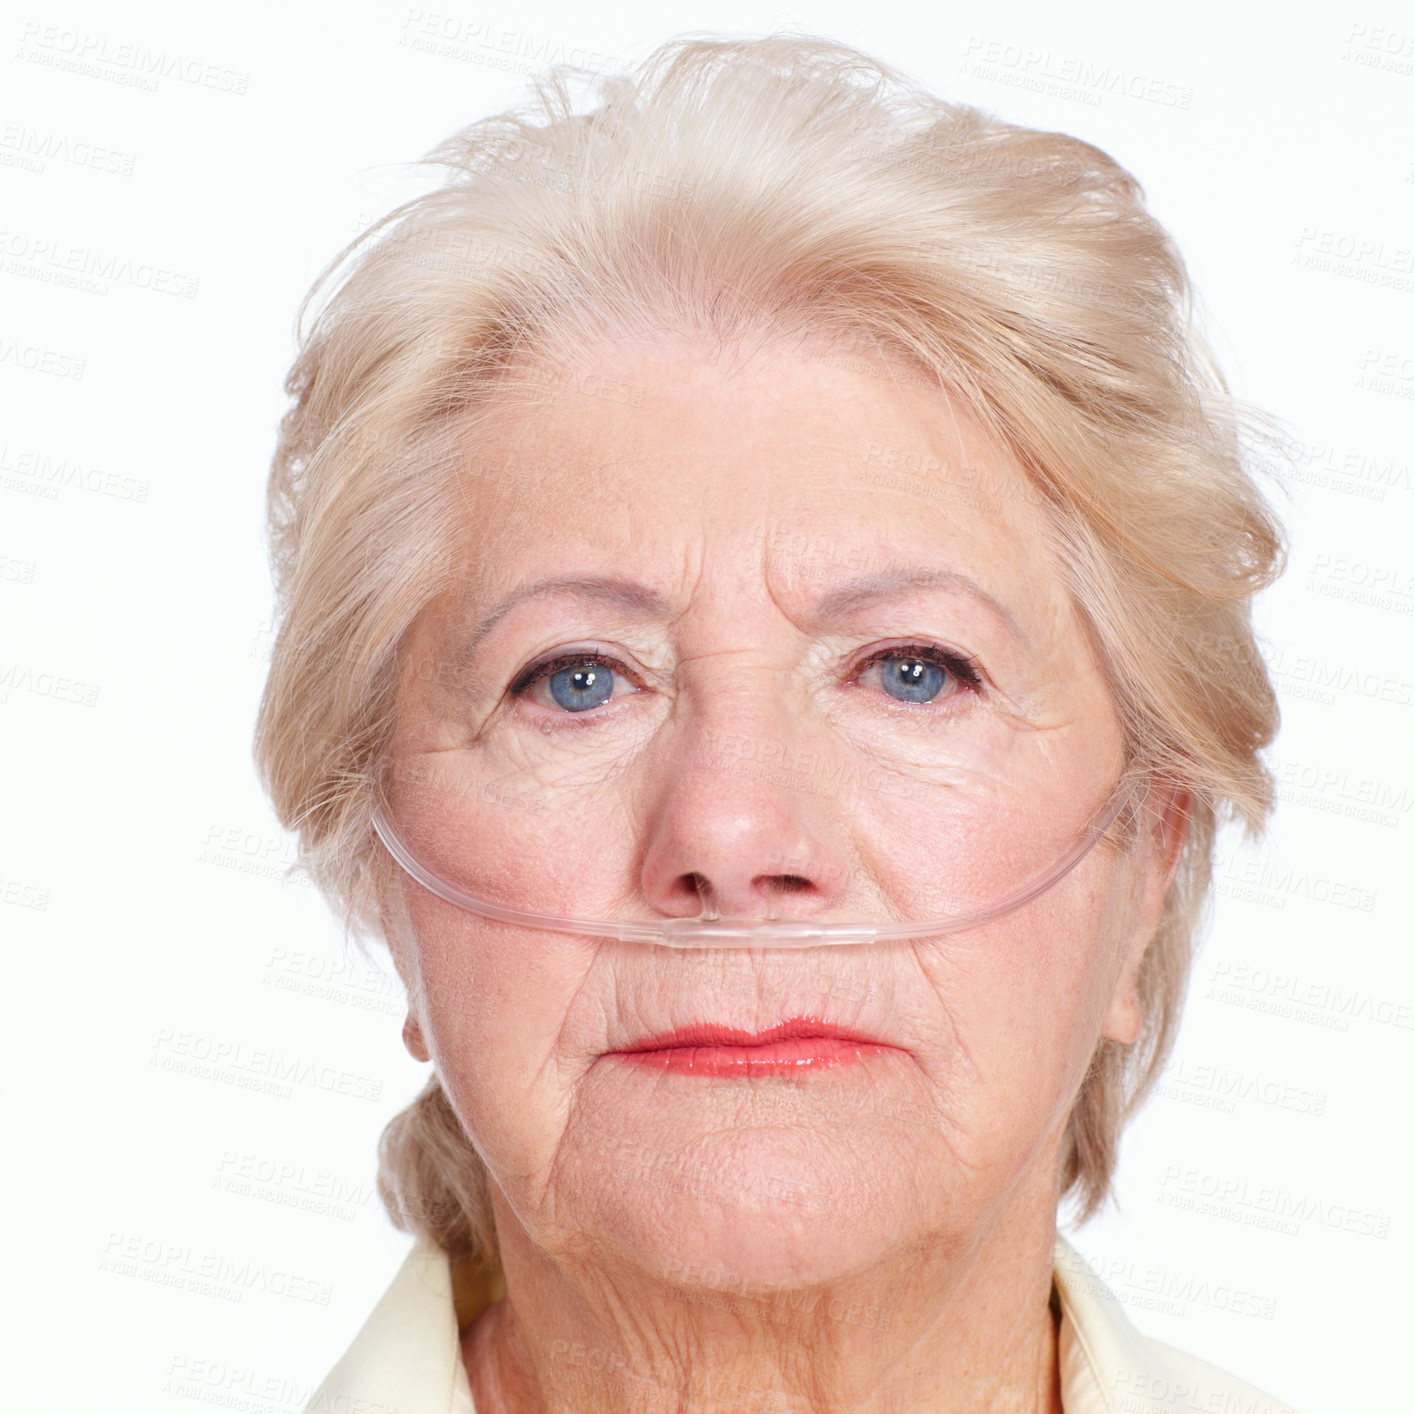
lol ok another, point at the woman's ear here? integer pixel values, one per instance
(1167, 816)
(413, 1038)
(397, 934)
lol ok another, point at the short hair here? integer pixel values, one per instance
(787, 183)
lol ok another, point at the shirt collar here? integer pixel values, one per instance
(1108, 1366)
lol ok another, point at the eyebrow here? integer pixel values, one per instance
(629, 597)
(640, 602)
(856, 594)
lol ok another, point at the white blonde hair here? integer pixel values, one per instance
(787, 183)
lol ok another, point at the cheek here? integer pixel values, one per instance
(1023, 1002)
(494, 1004)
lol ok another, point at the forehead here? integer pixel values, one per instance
(813, 462)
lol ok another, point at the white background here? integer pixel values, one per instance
(199, 165)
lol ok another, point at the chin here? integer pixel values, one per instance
(771, 1214)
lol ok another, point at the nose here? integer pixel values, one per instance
(742, 824)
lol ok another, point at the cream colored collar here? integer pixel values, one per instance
(407, 1356)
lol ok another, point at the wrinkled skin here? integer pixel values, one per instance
(863, 1237)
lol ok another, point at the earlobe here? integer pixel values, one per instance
(1125, 1018)
(413, 1038)
(395, 937)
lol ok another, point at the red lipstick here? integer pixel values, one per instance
(801, 1043)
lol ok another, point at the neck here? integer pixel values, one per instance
(963, 1328)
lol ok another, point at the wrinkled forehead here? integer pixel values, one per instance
(803, 463)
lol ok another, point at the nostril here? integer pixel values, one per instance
(791, 883)
(773, 886)
(705, 903)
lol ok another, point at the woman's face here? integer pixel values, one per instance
(739, 739)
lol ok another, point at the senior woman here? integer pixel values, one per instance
(765, 568)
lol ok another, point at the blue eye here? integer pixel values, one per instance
(913, 673)
(576, 682)
(920, 672)
(578, 689)
(911, 679)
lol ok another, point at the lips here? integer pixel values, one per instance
(800, 1043)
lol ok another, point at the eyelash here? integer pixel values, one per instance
(965, 669)
(961, 666)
